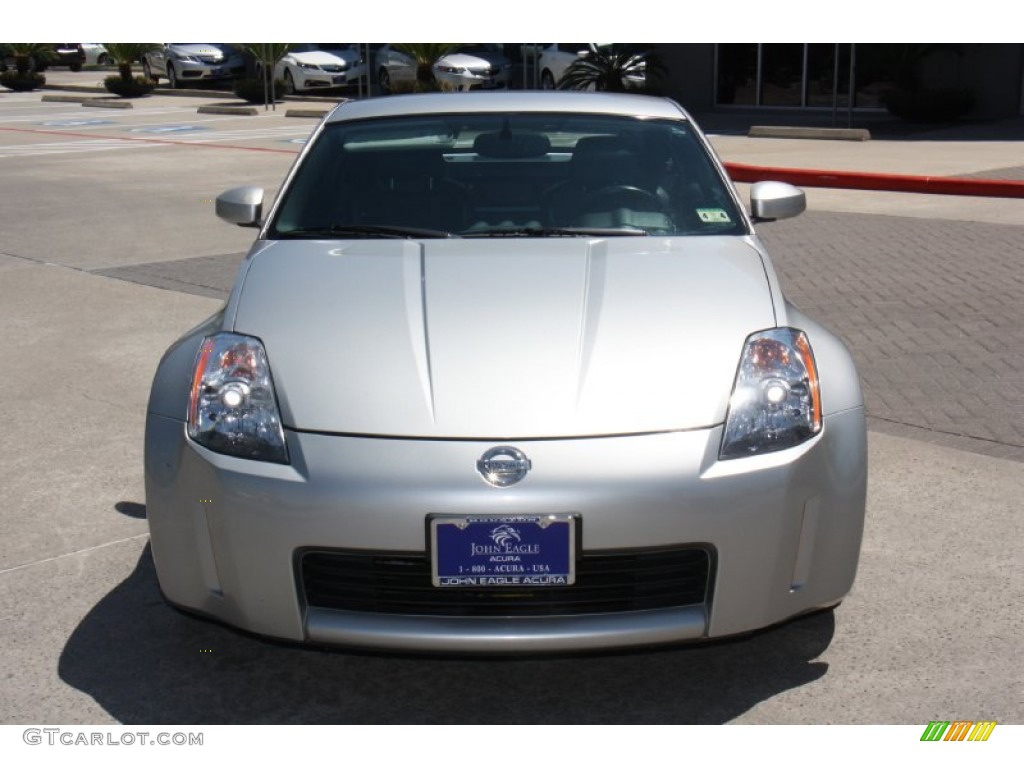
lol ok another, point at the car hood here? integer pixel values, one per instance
(504, 338)
(468, 60)
(317, 57)
(201, 49)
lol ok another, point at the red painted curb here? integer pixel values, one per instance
(885, 182)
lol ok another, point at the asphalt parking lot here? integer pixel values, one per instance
(109, 250)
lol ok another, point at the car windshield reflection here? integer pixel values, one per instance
(509, 175)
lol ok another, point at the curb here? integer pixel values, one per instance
(72, 89)
(882, 182)
(797, 132)
(317, 113)
(215, 109)
(110, 102)
(114, 103)
(65, 99)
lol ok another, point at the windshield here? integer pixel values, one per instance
(502, 175)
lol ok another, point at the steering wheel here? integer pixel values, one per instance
(644, 200)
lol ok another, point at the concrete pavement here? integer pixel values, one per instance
(109, 254)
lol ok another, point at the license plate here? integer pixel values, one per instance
(217, 71)
(534, 551)
(338, 79)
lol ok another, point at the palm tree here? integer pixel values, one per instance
(267, 54)
(28, 56)
(125, 54)
(425, 54)
(609, 68)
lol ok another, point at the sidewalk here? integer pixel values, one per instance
(927, 290)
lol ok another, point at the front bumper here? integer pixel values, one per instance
(784, 529)
(313, 79)
(190, 70)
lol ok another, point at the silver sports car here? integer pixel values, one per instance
(506, 372)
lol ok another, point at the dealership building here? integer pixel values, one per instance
(809, 77)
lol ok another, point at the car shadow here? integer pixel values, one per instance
(145, 662)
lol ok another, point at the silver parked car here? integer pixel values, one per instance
(183, 63)
(319, 66)
(506, 372)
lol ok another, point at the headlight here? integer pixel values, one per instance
(775, 401)
(449, 70)
(232, 407)
(303, 65)
(185, 57)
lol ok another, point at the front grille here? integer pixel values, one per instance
(333, 67)
(606, 582)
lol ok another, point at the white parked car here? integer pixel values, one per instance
(556, 58)
(96, 55)
(472, 66)
(315, 66)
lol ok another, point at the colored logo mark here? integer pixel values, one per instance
(958, 730)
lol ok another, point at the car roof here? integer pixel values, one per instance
(632, 105)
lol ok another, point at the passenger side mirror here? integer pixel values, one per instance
(242, 206)
(772, 200)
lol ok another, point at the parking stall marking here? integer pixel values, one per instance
(167, 128)
(69, 147)
(71, 112)
(96, 143)
(75, 123)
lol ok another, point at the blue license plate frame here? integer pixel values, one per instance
(503, 551)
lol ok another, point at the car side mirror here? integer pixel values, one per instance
(772, 200)
(242, 206)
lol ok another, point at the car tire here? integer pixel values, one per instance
(172, 76)
(102, 60)
(384, 80)
(75, 67)
(547, 80)
(289, 83)
(147, 71)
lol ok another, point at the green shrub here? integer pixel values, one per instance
(129, 89)
(250, 89)
(14, 80)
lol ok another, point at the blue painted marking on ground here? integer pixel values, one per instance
(168, 128)
(74, 123)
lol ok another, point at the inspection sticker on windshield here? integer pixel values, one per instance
(713, 216)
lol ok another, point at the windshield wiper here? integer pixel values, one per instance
(556, 232)
(364, 230)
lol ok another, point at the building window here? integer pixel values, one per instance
(801, 74)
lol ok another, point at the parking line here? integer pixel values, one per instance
(72, 554)
(151, 141)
